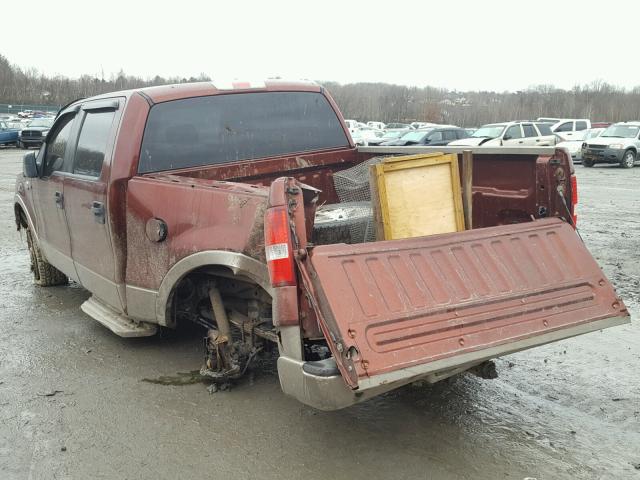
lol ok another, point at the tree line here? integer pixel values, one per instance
(598, 101)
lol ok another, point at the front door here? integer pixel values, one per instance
(86, 206)
(513, 136)
(54, 159)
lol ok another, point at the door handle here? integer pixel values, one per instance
(97, 208)
(521, 141)
(59, 198)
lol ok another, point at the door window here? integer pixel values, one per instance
(544, 128)
(92, 142)
(449, 135)
(529, 131)
(54, 157)
(565, 127)
(581, 125)
(513, 132)
(435, 137)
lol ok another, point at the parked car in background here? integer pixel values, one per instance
(418, 125)
(575, 146)
(550, 120)
(376, 125)
(370, 133)
(619, 143)
(389, 136)
(34, 133)
(429, 136)
(8, 117)
(524, 133)
(600, 124)
(568, 128)
(364, 135)
(351, 125)
(358, 138)
(396, 125)
(8, 135)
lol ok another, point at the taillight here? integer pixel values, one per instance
(574, 198)
(279, 250)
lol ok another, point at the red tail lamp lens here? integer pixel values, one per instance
(279, 251)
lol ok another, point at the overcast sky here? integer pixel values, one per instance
(465, 45)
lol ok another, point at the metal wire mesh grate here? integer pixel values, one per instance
(351, 220)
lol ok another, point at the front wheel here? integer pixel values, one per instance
(44, 274)
(628, 159)
(587, 162)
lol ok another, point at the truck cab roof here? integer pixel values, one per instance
(165, 93)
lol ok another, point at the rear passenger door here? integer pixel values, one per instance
(448, 136)
(530, 134)
(86, 200)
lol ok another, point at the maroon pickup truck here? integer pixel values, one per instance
(192, 203)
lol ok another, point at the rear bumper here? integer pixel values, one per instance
(331, 393)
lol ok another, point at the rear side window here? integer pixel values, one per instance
(529, 131)
(228, 128)
(92, 142)
(565, 127)
(545, 128)
(581, 125)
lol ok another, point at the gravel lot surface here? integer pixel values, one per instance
(74, 403)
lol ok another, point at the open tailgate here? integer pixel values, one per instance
(400, 309)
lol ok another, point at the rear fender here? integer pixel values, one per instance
(238, 263)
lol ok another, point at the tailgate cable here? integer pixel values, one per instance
(564, 202)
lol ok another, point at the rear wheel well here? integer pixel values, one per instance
(189, 297)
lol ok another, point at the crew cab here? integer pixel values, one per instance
(199, 204)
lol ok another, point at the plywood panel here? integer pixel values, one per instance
(419, 195)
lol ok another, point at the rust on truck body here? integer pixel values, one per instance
(396, 304)
(388, 311)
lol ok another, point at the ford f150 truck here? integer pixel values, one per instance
(197, 203)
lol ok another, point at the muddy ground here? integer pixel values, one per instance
(73, 403)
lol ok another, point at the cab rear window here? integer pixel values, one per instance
(227, 128)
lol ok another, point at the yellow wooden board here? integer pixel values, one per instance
(419, 195)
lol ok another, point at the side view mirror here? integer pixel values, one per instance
(507, 137)
(30, 169)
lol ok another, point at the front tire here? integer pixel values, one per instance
(44, 274)
(587, 162)
(628, 159)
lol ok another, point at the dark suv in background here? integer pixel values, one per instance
(429, 136)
